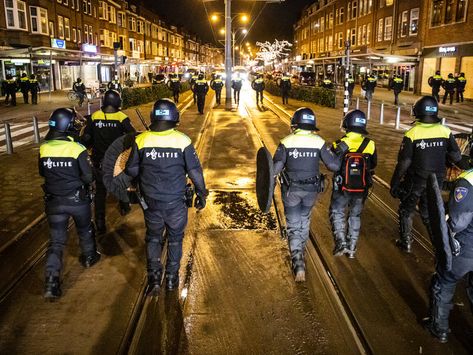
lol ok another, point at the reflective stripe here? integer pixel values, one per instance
(60, 149)
(115, 116)
(467, 175)
(427, 130)
(303, 139)
(398, 80)
(166, 139)
(354, 140)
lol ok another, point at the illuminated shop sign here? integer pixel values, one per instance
(89, 48)
(58, 43)
(446, 50)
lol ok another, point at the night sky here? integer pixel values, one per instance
(274, 21)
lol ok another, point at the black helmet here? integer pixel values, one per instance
(32, 76)
(304, 118)
(112, 98)
(61, 123)
(165, 115)
(426, 109)
(462, 74)
(201, 76)
(437, 72)
(450, 75)
(355, 121)
(23, 75)
(79, 80)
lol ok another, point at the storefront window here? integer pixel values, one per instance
(414, 24)
(461, 9)
(436, 17)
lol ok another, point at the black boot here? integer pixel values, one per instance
(404, 245)
(351, 249)
(172, 281)
(405, 240)
(100, 225)
(88, 260)
(154, 282)
(340, 245)
(298, 267)
(52, 288)
(441, 335)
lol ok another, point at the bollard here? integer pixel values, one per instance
(8, 141)
(357, 103)
(36, 130)
(444, 120)
(398, 117)
(381, 114)
(88, 107)
(368, 113)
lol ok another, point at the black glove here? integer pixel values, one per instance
(200, 200)
(395, 191)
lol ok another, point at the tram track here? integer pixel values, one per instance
(317, 259)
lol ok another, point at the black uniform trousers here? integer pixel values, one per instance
(396, 97)
(34, 97)
(173, 219)
(259, 97)
(58, 211)
(340, 203)
(444, 282)
(460, 95)
(200, 102)
(175, 93)
(285, 96)
(236, 96)
(25, 96)
(218, 96)
(445, 96)
(435, 93)
(12, 100)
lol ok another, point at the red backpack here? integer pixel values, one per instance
(355, 172)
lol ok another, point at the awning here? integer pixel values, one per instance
(372, 57)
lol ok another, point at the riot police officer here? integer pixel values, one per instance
(351, 86)
(460, 223)
(217, 84)
(327, 84)
(79, 89)
(285, 86)
(369, 85)
(67, 172)
(115, 84)
(10, 89)
(258, 86)
(449, 86)
(193, 79)
(200, 89)
(24, 84)
(461, 83)
(397, 85)
(35, 89)
(103, 127)
(350, 187)
(436, 82)
(237, 83)
(174, 85)
(424, 150)
(297, 159)
(161, 158)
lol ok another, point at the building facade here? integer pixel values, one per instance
(61, 40)
(387, 37)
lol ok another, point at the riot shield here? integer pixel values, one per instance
(264, 179)
(440, 235)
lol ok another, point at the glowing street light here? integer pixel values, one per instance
(214, 18)
(222, 31)
(244, 18)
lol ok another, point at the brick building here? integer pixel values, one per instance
(75, 38)
(387, 37)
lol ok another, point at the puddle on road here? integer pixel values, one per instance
(238, 210)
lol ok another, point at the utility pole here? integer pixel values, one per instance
(347, 74)
(228, 55)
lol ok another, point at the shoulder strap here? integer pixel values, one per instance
(363, 145)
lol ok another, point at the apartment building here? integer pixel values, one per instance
(60, 40)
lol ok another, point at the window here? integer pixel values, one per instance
(380, 30)
(322, 24)
(349, 11)
(89, 7)
(86, 33)
(389, 2)
(139, 26)
(73, 4)
(67, 29)
(79, 36)
(330, 19)
(84, 6)
(341, 15)
(388, 27)
(103, 10)
(112, 14)
(363, 38)
(91, 32)
(104, 38)
(65, 2)
(60, 26)
(74, 35)
(436, 17)
(461, 10)
(449, 11)
(39, 20)
(132, 23)
(354, 9)
(16, 14)
(340, 40)
(370, 5)
(360, 34)
(414, 24)
(121, 20)
(353, 36)
(404, 23)
(362, 8)
(51, 28)
(321, 45)
(368, 33)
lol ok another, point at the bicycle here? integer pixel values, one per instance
(72, 96)
(465, 143)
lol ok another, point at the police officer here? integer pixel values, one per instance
(369, 85)
(174, 85)
(79, 89)
(160, 79)
(10, 89)
(103, 127)
(258, 86)
(161, 158)
(343, 198)
(35, 89)
(200, 89)
(436, 82)
(67, 172)
(237, 83)
(194, 78)
(424, 150)
(217, 84)
(327, 84)
(351, 86)
(460, 223)
(285, 86)
(460, 84)
(397, 84)
(297, 159)
(24, 84)
(115, 84)
(449, 86)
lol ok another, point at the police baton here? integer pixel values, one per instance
(142, 119)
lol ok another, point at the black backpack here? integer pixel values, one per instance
(355, 170)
